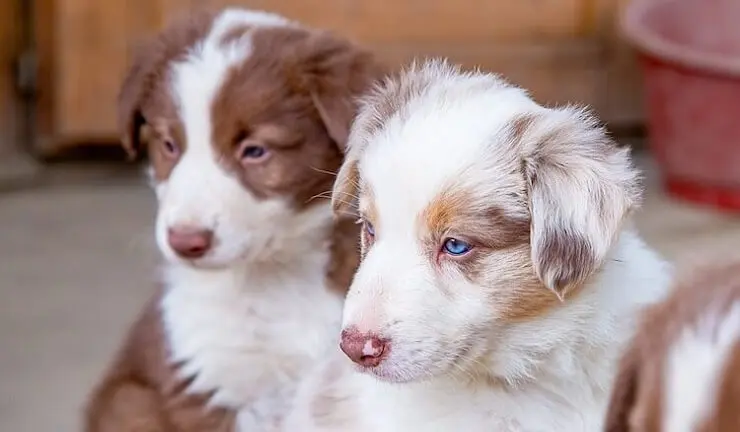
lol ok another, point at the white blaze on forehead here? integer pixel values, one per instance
(199, 191)
(694, 368)
(197, 79)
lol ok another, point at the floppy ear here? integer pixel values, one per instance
(624, 393)
(581, 188)
(148, 63)
(339, 72)
(130, 96)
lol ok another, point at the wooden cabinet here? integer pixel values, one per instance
(10, 46)
(16, 167)
(562, 50)
(82, 48)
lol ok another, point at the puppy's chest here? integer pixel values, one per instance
(245, 346)
(438, 411)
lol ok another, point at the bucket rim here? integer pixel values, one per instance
(659, 47)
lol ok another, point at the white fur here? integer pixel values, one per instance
(694, 366)
(551, 373)
(248, 318)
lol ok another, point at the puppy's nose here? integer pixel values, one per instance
(190, 242)
(364, 349)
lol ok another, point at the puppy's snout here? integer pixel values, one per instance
(190, 242)
(363, 348)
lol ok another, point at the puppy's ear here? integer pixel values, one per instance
(339, 72)
(147, 69)
(624, 393)
(581, 187)
(131, 95)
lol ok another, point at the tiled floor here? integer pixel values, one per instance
(77, 260)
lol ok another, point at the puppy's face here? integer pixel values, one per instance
(475, 216)
(245, 117)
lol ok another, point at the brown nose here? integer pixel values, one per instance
(364, 349)
(188, 242)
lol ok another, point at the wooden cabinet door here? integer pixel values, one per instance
(82, 48)
(561, 50)
(10, 48)
(554, 48)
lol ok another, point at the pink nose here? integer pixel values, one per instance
(189, 242)
(364, 349)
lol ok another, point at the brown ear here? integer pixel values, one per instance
(624, 393)
(581, 187)
(339, 73)
(130, 119)
(147, 66)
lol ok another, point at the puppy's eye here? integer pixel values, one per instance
(170, 148)
(369, 229)
(252, 152)
(456, 247)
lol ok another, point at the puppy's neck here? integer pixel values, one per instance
(577, 342)
(244, 331)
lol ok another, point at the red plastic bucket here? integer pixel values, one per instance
(690, 54)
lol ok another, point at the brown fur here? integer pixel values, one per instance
(637, 402)
(576, 156)
(142, 392)
(295, 96)
(309, 91)
(496, 237)
(147, 75)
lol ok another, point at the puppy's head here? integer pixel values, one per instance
(681, 371)
(245, 115)
(481, 210)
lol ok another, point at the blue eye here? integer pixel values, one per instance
(455, 247)
(370, 229)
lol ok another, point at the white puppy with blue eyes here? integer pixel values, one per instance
(500, 278)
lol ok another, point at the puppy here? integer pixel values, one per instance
(245, 115)
(682, 370)
(499, 276)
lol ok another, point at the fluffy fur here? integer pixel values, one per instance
(237, 325)
(521, 333)
(682, 370)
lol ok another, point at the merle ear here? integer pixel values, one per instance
(624, 393)
(339, 73)
(581, 188)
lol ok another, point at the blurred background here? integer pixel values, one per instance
(76, 220)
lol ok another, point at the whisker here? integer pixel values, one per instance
(326, 195)
(348, 193)
(323, 171)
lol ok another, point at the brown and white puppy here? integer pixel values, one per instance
(682, 371)
(245, 115)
